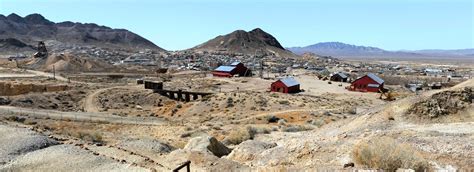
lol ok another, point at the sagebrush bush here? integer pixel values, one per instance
(242, 134)
(296, 128)
(387, 154)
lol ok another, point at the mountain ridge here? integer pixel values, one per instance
(35, 27)
(340, 49)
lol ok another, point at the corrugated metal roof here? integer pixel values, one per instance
(235, 63)
(342, 75)
(289, 82)
(376, 78)
(225, 68)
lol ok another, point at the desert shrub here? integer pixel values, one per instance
(15, 119)
(296, 128)
(282, 122)
(179, 106)
(30, 122)
(237, 136)
(317, 123)
(272, 119)
(86, 136)
(284, 102)
(262, 102)
(385, 153)
(259, 130)
(230, 102)
(351, 110)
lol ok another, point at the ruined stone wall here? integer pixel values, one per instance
(12, 89)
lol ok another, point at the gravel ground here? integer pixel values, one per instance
(25, 150)
(65, 158)
(16, 141)
(147, 146)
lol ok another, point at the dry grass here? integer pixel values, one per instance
(387, 154)
(95, 137)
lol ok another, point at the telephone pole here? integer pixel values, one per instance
(54, 73)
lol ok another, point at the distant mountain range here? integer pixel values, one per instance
(24, 31)
(338, 49)
(253, 42)
(21, 34)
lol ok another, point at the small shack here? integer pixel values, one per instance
(367, 83)
(286, 85)
(339, 77)
(235, 68)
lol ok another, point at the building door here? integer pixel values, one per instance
(281, 90)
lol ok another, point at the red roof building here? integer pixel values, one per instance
(286, 85)
(367, 83)
(235, 68)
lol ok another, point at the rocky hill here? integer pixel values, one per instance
(23, 31)
(253, 42)
(14, 45)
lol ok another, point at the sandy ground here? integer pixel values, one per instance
(328, 128)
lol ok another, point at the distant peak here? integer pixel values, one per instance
(37, 19)
(257, 30)
(15, 17)
(239, 31)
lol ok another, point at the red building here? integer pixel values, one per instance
(286, 85)
(367, 83)
(235, 68)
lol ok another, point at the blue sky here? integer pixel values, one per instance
(181, 24)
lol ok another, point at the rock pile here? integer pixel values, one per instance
(444, 103)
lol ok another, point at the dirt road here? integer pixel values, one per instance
(49, 75)
(79, 116)
(90, 102)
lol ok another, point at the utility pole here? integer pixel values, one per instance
(54, 73)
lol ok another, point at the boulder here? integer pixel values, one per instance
(4, 101)
(207, 144)
(249, 150)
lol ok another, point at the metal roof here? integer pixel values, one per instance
(225, 68)
(376, 78)
(289, 82)
(235, 63)
(341, 74)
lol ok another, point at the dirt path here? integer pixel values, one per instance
(49, 75)
(90, 102)
(79, 116)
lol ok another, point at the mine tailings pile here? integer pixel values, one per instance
(12, 89)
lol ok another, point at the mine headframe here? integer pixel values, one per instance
(42, 52)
